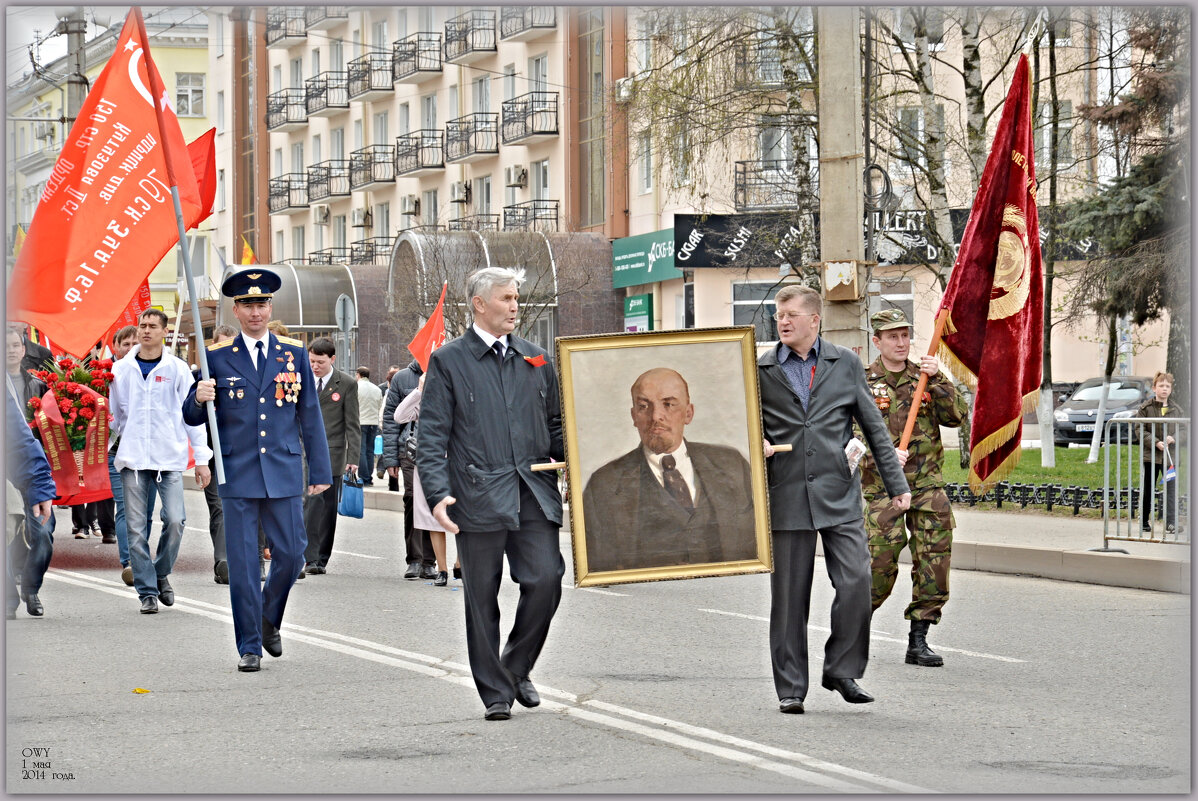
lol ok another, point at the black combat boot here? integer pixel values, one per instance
(918, 652)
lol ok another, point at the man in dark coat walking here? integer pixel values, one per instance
(490, 411)
(418, 545)
(811, 392)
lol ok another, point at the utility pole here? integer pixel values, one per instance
(72, 23)
(841, 177)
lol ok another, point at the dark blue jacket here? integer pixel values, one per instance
(27, 467)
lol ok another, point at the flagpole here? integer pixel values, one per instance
(941, 319)
(158, 95)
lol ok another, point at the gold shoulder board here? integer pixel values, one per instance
(290, 341)
(224, 344)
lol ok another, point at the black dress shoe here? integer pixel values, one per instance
(166, 593)
(848, 689)
(221, 572)
(441, 580)
(501, 710)
(149, 605)
(272, 643)
(526, 693)
(457, 571)
(413, 571)
(33, 606)
(791, 706)
(249, 663)
(315, 570)
(428, 572)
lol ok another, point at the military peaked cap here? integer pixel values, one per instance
(251, 285)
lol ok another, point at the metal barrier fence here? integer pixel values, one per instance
(1146, 487)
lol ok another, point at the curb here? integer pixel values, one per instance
(1087, 567)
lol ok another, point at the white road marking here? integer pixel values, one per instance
(360, 555)
(939, 647)
(671, 732)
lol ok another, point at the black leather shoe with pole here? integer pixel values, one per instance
(918, 652)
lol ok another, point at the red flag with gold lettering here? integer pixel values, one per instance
(994, 298)
(106, 217)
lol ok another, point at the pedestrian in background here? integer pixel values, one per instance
(892, 380)
(338, 394)
(418, 545)
(490, 411)
(1159, 454)
(30, 499)
(384, 386)
(811, 393)
(147, 394)
(266, 403)
(370, 406)
(97, 518)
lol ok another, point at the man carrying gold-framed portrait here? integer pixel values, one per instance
(695, 498)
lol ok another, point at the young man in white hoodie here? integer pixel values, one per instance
(146, 396)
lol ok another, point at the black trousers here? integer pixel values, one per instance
(216, 517)
(847, 649)
(320, 521)
(418, 545)
(1152, 476)
(535, 563)
(100, 513)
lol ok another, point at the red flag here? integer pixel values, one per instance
(132, 313)
(247, 253)
(431, 335)
(106, 217)
(203, 161)
(995, 295)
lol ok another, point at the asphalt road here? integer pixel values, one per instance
(1048, 687)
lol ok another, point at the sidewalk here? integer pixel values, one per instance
(1020, 543)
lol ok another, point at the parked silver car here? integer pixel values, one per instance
(1076, 417)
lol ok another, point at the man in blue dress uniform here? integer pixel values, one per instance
(265, 399)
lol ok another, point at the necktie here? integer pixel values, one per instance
(498, 348)
(675, 483)
(261, 361)
(320, 384)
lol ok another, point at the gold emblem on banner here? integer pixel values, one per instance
(1009, 292)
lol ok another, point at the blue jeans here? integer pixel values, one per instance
(37, 546)
(118, 495)
(366, 459)
(138, 484)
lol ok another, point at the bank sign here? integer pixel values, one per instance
(643, 259)
(638, 313)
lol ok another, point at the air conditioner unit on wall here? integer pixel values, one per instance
(459, 192)
(515, 175)
(409, 204)
(320, 213)
(623, 90)
(362, 218)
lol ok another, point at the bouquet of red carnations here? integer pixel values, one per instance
(72, 418)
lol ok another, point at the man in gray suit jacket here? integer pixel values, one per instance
(338, 393)
(811, 392)
(490, 411)
(669, 501)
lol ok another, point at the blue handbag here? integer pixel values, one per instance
(349, 498)
(378, 444)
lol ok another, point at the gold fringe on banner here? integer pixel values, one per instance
(954, 366)
(993, 442)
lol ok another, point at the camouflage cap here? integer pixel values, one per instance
(888, 319)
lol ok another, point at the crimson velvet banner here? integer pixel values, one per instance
(995, 296)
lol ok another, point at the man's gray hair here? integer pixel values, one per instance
(481, 283)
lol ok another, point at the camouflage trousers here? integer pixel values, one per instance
(930, 522)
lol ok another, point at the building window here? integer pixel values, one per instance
(1064, 135)
(681, 159)
(933, 20)
(220, 112)
(318, 237)
(381, 125)
(482, 195)
(278, 254)
(339, 231)
(774, 140)
(378, 36)
(428, 207)
(452, 103)
(428, 111)
(317, 149)
(753, 304)
(219, 205)
(358, 144)
(913, 131)
(482, 95)
(297, 157)
(297, 73)
(592, 124)
(219, 43)
(382, 219)
(405, 119)
(1059, 29)
(276, 79)
(336, 56)
(189, 94)
(644, 45)
(540, 180)
(298, 249)
(337, 140)
(645, 162)
(315, 62)
(509, 81)
(278, 162)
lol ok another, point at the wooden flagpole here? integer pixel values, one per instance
(941, 319)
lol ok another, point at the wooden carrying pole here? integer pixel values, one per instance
(941, 319)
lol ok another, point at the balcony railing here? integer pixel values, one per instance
(371, 165)
(327, 93)
(470, 36)
(286, 110)
(288, 193)
(333, 255)
(320, 18)
(472, 137)
(769, 185)
(375, 250)
(328, 179)
(759, 66)
(531, 215)
(42, 153)
(370, 77)
(475, 222)
(517, 23)
(529, 118)
(416, 58)
(420, 152)
(285, 26)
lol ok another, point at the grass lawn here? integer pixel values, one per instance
(1071, 469)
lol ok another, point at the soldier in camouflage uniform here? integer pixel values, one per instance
(892, 379)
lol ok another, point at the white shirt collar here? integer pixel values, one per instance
(252, 344)
(682, 463)
(488, 339)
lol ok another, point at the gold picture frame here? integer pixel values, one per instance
(639, 531)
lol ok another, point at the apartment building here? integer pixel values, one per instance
(179, 46)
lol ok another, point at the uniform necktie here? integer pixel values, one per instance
(498, 348)
(261, 361)
(675, 483)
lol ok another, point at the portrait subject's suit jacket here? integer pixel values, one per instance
(340, 415)
(632, 522)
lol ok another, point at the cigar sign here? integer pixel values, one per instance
(744, 241)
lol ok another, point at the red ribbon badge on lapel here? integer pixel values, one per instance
(536, 361)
